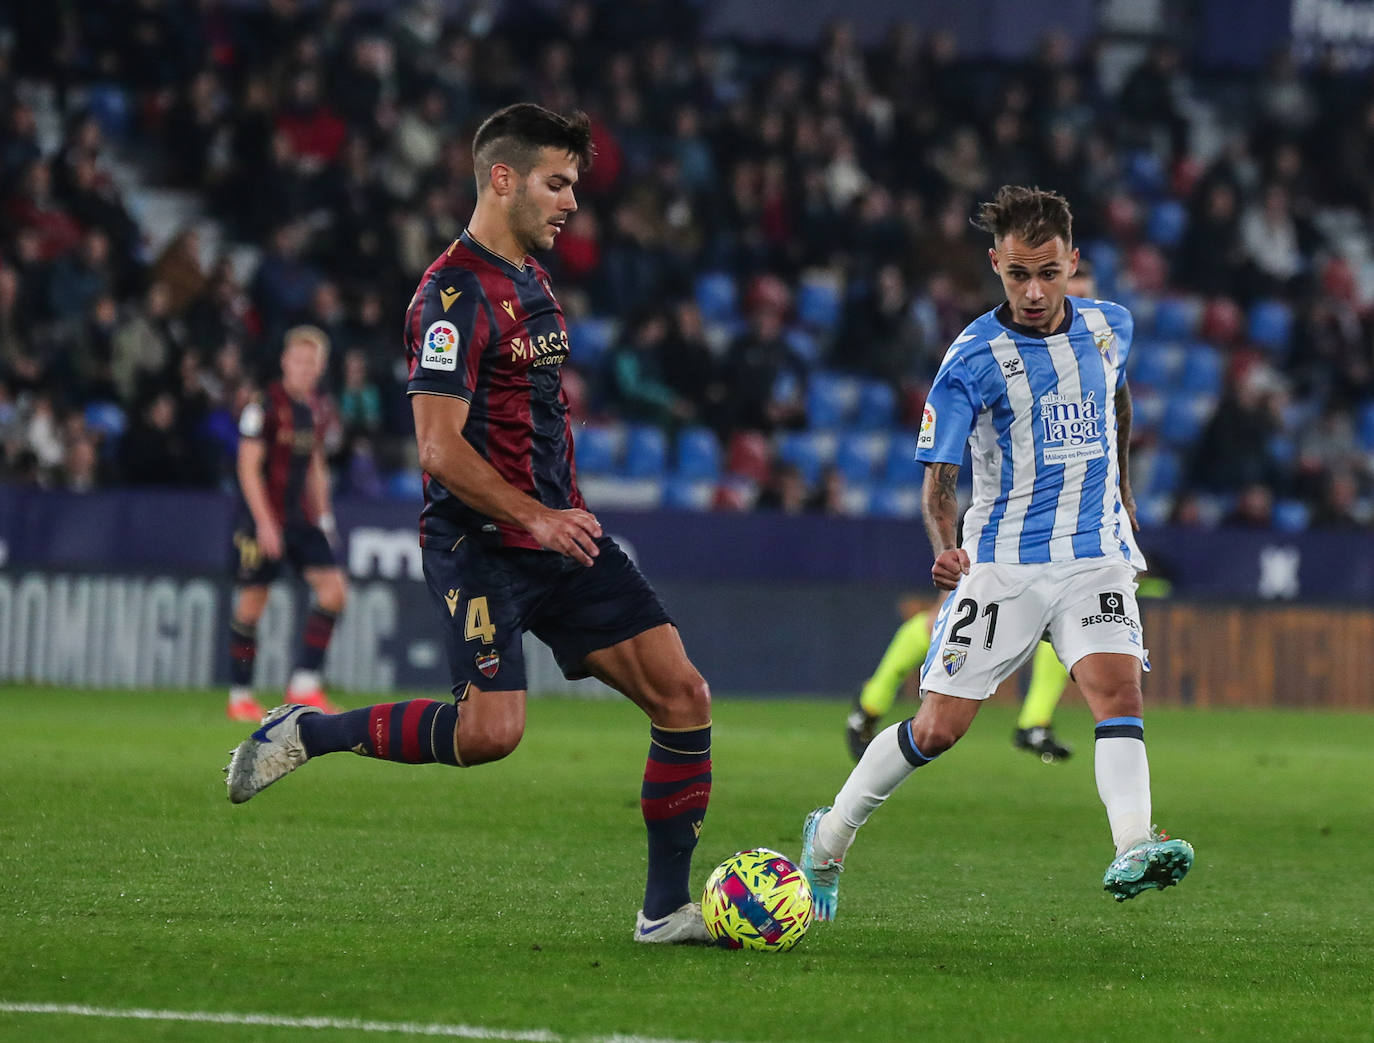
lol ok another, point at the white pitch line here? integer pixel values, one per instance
(407, 1028)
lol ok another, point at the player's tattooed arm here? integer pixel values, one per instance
(1123, 450)
(940, 508)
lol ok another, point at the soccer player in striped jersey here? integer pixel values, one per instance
(509, 545)
(911, 643)
(284, 514)
(1037, 389)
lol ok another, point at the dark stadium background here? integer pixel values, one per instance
(181, 182)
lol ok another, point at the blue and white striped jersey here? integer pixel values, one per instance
(1039, 414)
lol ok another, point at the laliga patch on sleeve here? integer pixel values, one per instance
(439, 350)
(926, 440)
(251, 420)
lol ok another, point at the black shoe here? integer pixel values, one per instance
(859, 729)
(1041, 740)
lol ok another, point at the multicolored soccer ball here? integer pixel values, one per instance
(757, 900)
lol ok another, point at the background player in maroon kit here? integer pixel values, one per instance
(508, 543)
(284, 513)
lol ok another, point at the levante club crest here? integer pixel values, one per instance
(488, 663)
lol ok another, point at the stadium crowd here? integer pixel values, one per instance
(771, 255)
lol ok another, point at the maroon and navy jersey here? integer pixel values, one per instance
(492, 334)
(291, 431)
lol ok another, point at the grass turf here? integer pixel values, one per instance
(504, 897)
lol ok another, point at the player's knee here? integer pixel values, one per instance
(934, 737)
(489, 736)
(332, 594)
(1121, 699)
(683, 703)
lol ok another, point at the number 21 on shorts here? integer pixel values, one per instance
(968, 613)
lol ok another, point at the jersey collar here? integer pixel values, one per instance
(470, 241)
(1003, 315)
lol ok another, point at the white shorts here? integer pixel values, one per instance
(992, 621)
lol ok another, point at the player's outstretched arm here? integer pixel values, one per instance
(446, 455)
(940, 509)
(1123, 451)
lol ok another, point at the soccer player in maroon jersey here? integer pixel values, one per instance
(284, 514)
(509, 545)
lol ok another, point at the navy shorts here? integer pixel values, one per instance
(488, 597)
(304, 546)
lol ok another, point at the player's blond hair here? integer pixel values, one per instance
(306, 331)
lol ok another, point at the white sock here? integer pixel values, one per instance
(305, 681)
(881, 770)
(237, 694)
(1123, 783)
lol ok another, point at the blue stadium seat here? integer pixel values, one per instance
(405, 485)
(820, 302)
(1176, 318)
(1153, 511)
(1167, 223)
(902, 468)
(1106, 262)
(698, 454)
(895, 501)
(686, 494)
(1291, 515)
(804, 345)
(805, 450)
(1147, 410)
(877, 408)
(858, 456)
(1366, 425)
(1283, 449)
(596, 449)
(1145, 174)
(717, 297)
(110, 105)
(590, 340)
(1165, 471)
(1204, 370)
(1155, 364)
(646, 452)
(1271, 325)
(831, 399)
(106, 419)
(1184, 418)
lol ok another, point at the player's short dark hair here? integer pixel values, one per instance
(515, 135)
(1033, 215)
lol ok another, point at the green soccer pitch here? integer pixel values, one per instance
(371, 901)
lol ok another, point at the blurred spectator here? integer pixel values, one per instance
(765, 379)
(1339, 505)
(143, 344)
(637, 390)
(1254, 508)
(785, 491)
(360, 403)
(178, 268)
(153, 450)
(1233, 451)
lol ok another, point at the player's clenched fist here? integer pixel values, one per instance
(570, 532)
(949, 568)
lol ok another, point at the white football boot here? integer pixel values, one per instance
(683, 926)
(270, 753)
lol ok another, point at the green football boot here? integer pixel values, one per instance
(1158, 863)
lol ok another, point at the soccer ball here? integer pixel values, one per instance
(757, 900)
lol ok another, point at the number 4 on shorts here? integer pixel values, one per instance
(479, 624)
